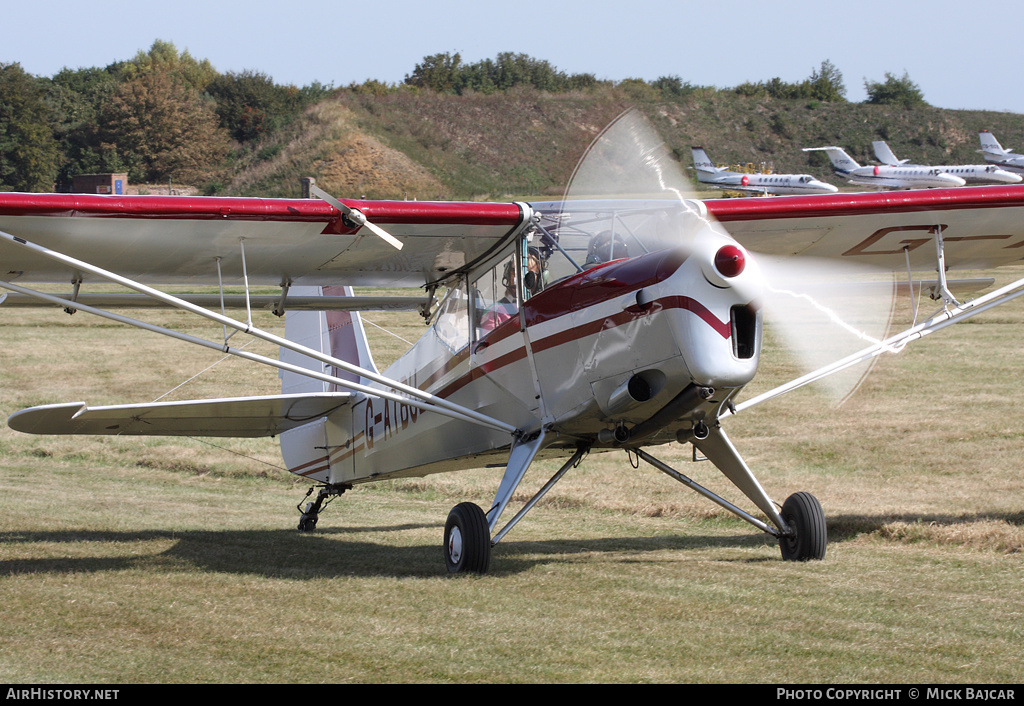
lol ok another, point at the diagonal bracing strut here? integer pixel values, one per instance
(425, 400)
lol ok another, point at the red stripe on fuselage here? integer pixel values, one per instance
(584, 290)
(575, 333)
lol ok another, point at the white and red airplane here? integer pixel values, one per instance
(887, 176)
(970, 173)
(762, 184)
(564, 328)
(996, 155)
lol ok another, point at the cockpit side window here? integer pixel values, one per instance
(496, 297)
(499, 292)
(451, 324)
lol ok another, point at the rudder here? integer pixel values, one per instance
(339, 334)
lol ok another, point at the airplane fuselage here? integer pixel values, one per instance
(773, 184)
(639, 347)
(901, 177)
(980, 173)
(1009, 161)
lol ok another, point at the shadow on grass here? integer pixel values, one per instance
(847, 527)
(325, 553)
(334, 552)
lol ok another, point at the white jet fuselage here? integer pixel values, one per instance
(771, 184)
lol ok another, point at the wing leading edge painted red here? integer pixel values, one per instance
(302, 241)
(981, 226)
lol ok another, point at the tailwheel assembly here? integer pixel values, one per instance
(311, 512)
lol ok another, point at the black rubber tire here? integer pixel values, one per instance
(803, 513)
(467, 540)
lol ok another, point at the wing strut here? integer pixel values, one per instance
(893, 344)
(426, 400)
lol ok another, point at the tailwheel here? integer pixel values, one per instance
(311, 513)
(806, 520)
(467, 540)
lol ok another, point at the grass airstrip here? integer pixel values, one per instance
(135, 560)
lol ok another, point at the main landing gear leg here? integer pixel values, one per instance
(799, 527)
(467, 533)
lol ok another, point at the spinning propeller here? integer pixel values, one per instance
(817, 310)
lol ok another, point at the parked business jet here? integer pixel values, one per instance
(774, 184)
(971, 173)
(995, 154)
(885, 176)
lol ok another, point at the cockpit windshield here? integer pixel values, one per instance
(574, 236)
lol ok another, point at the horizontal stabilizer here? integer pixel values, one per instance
(237, 416)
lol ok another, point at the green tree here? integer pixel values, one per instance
(162, 128)
(438, 72)
(445, 73)
(895, 91)
(75, 97)
(163, 57)
(251, 105)
(826, 84)
(29, 155)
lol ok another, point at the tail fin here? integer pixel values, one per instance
(701, 161)
(339, 334)
(840, 160)
(885, 155)
(990, 144)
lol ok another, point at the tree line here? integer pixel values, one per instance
(166, 115)
(160, 115)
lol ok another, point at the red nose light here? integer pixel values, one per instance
(730, 261)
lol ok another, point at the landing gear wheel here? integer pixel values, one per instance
(803, 513)
(467, 540)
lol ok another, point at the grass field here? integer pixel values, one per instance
(166, 560)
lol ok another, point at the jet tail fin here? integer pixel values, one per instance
(885, 155)
(840, 160)
(701, 161)
(989, 143)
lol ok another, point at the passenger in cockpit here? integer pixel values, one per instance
(508, 306)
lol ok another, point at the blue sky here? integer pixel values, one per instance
(961, 55)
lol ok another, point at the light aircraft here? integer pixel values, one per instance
(970, 173)
(995, 154)
(885, 176)
(634, 322)
(774, 184)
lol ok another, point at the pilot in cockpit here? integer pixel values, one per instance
(508, 306)
(604, 248)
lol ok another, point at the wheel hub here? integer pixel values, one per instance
(455, 545)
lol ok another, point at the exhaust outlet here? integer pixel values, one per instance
(639, 388)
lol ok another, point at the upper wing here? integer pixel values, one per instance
(182, 240)
(238, 416)
(981, 226)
